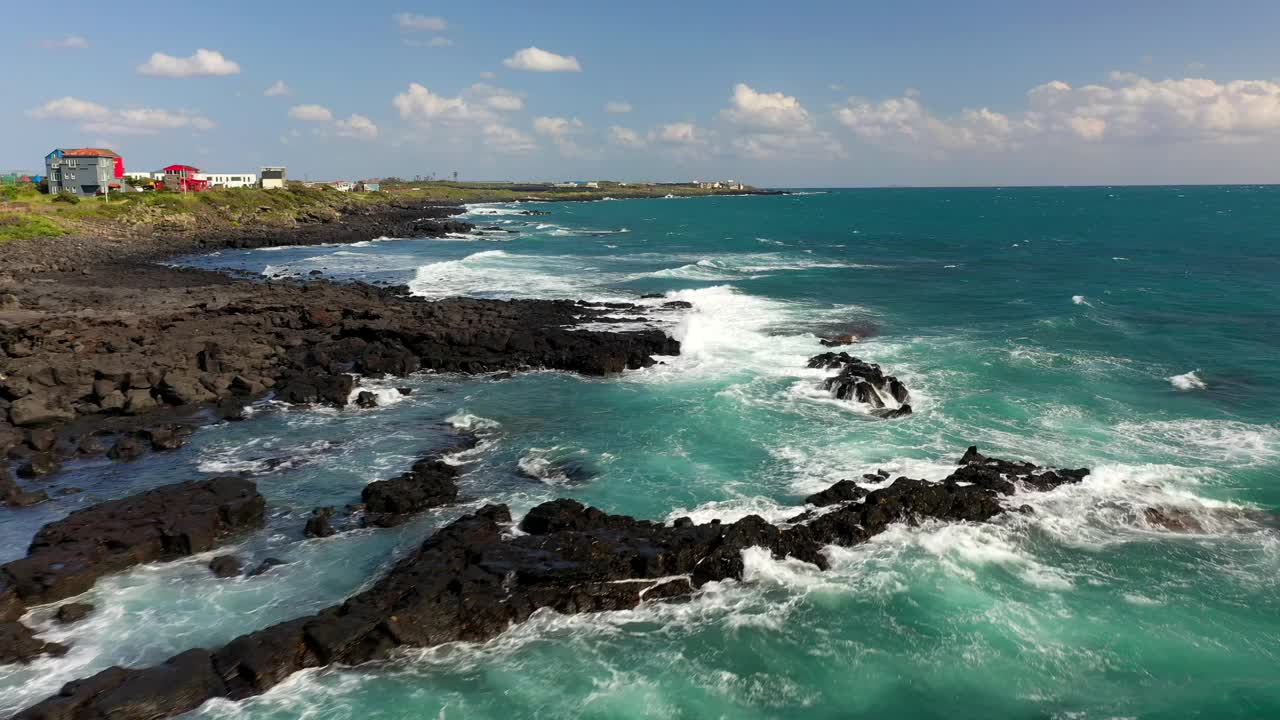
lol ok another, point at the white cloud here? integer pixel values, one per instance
(422, 23)
(356, 127)
(132, 121)
(507, 140)
(201, 63)
(538, 60)
(618, 107)
(561, 131)
(277, 90)
(1129, 108)
(677, 133)
(70, 42)
(495, 98)
(440, 42)
(311, 113)
(625, 137)
(488, 75)
(420, 105)
(766, 111)
(556, 126)
(69, 108)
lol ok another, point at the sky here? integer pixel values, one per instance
(807, 94)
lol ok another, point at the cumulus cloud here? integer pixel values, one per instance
(561, 131)
(201, 63)
(625, 137)
(356, 127)
(765, 110)
(538, 60)
(97, 118)
(421, 23)
(507, 140)
(618, 107)
(556, 126)
(278, 89)
(771, 123)
(677, 133)
(419, 105)
(1127, 108)
(69, 108)
(495, 98)
(311, 113)
(70, 42)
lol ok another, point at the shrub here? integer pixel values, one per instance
(23, 227)
(66, 197)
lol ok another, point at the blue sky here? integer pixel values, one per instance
(801, 94)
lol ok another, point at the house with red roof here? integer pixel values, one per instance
(84, 171)
(184, 178)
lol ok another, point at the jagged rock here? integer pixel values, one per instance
(1174, 519)
(166, 523)
(34, 409)
(225, 566)
(472, 580)
(73, 613)
(14, 496)
(431, 482)
(168, 437)
(18, 644)
(366, 399)
(41, 439)
(39, 465)
(127, 447)
(838, 340)
(318, 388)
(320, 523)
(843, 491)
(863, 382)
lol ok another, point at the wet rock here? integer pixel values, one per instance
(431, 482)
(169, 522)
(127, 447)
(18, 644)
(472, 580)
(73, 613)
(843, 491)
(39, 465)
(225, 566)
(863, 382)
(366, 399)
(320, 523)
(167, 437)
(90, 445)
(1173, 519)
(41, 439)
(315, 387)
(12, 495)
(838, 340)
(405, 391)
(265, 566)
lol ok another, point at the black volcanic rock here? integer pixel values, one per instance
(18, 644)
(472, 580)
(166, 523)
(73, 613)
(863, 382)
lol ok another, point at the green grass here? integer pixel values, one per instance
(21, 226)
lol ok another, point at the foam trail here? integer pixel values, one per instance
(1188, 381)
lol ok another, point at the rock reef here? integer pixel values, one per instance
(472, 579)
(865, 383)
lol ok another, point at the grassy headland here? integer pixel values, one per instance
(26, 213)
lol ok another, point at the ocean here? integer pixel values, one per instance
(1131, 330)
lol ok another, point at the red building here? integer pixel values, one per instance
(182, 178)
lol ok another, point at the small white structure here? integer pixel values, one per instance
(273, 177)
(229, 180)
(342, 185)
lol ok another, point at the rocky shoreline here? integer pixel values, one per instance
(473, 579)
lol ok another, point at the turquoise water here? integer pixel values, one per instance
(1135, 331)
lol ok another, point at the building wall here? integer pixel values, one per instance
(230, 180)
(79, 175)
(273, 177)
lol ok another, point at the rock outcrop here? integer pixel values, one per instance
(865, 383)
(69, 555)
(472, 580)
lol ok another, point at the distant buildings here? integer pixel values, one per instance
(368, 186)
(342, 185)
(578, 184)
(184, 178)
(719, 185)
(274, 177)
(84, 171)
(229, 180)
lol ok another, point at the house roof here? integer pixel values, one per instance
(88, 152)
(181, 168)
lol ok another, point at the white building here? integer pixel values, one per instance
(229, 180)
(274, 177)
(342, 185)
